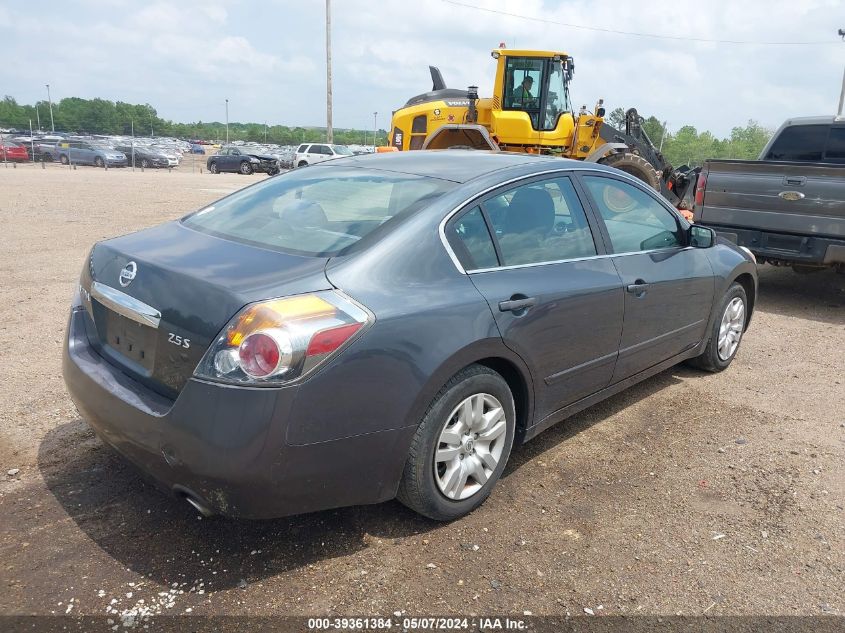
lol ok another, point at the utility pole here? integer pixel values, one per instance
(50, 101)
(227, 121)
(151, 120)
(840, 112)
(329, 132)
(375, 129)
(38, 117)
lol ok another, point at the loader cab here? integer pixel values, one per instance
(534, 82)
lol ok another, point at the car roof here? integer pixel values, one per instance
(457, 165)
(813, 120)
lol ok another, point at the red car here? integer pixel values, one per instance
(12, 151)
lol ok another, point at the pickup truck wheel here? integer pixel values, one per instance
(246, 168)
(726, 331)
(461, 446)
(63, 159)
(213, 168)
(635, 165)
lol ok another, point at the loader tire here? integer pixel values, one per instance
(635, 165)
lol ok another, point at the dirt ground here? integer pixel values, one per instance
(689, 493)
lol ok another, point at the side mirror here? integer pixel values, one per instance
(701, 236)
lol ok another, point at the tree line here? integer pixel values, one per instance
(688, 146)
(100, 116)
(685, 146)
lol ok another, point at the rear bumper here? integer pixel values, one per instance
(226, 446)
(784, 247)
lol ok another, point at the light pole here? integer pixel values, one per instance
(38, 117)
(50, 101)
(375, 129)
(329, 132)
(227, 121)
(150, 108)
(842, 94)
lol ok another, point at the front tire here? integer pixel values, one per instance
(246, 168)
(64, 160)
(461, 446)
(99, 162)
(144, 163)
(726, 331)
(213, 168)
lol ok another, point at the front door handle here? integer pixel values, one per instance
(516, 305)
(638, 288)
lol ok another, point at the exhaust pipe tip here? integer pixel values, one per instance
(194, 501)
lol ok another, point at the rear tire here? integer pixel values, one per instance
(246, 168)
(302, 163)
(461, 446)
(636, 166)
(726, 331)
(64, 160)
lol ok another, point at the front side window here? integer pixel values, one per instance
(318, 212)
(523, 81)
(540, 222)
(800, 143)
(635, 221)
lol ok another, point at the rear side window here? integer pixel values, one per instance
(800, 143)
(634, 219)
(836, 146)
(472, 241)
(302, 149)
(540, 222)
(318, 212)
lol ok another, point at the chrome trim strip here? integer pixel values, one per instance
(580, 259)
(566, 170)
(127, 306)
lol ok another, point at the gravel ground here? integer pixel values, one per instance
(689, 493)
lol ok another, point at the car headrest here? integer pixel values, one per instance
(303, 213)
(530, 210)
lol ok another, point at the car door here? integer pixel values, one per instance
(669, 285)
(318, 153)
(530, 251)
(84, 154)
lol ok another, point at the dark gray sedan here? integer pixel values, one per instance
(389, 326)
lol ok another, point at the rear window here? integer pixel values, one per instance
(836, 146)
(318, 211)
(800, 143)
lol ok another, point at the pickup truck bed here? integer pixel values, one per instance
(789, 213)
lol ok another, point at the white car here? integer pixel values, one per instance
(310, 153)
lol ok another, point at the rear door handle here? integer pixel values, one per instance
(639, 288)
(796, 181)
(515, 305)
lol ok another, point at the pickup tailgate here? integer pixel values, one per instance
(782, 197)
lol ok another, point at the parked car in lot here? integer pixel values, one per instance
(88, 153)
(311, 153)
(13, 151)
(238, 160)
(390, 325)
(144, 157)
(789, 206)
(196, 148)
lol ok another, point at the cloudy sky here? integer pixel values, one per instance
(268, 57)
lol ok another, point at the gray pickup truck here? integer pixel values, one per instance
(788, 208)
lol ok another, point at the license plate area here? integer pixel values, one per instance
(131, 339)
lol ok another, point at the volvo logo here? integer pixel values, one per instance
(127, 274)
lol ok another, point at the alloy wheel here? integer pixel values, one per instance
(470, 446)
(730, 329)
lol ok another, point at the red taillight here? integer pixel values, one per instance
(700, 185)
(327, 341)
(265, 353)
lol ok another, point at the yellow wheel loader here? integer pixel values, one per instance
(531, 111)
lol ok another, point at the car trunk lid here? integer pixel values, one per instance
(159, 297)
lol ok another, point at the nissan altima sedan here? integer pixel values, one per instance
(389, 326)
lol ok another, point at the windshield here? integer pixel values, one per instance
(315, 211)
(343, 150)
